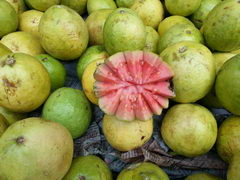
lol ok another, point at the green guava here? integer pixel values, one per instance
(18, 5)
(150, 11)
(90, 168)
(80, 6)
(182, 8)
(35, 149)
(11, 117)
(211, 100)
(4, 50)
(194, 127)
(63, 33)
(91, 54)
(123, 31)
(170, 21)
(179, 33)
(143, 171)
(95, 23)
(8, 18)
(41, 5)
(23, 42)
(194, 70)
(228, 140)
(94, 5)
(203, 176)
(227, 85)
(3, 125)
(201, 13)
(152, 39)
(29, 21)
(69, 107)
(221, 27)
(233, 172)
(55, 70)
(25, 83)
(236, 51)
(124, 3)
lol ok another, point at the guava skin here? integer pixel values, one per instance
(80, 6)
(203, 176)
(152, 39)
(41, 5)
(4, 50)
(233, 172)
(94, 5)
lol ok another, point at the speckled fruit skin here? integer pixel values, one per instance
(25, 82)
(228, 141)
(35, 149)
(63, 33)
(221, 27)
(88, 167)
(203, 176)
(123, 30)
(194, 127)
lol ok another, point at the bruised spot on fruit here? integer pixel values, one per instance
(188, 32)
(20, 140)
(182, 49)
(142, 137)
(122, 11)
(82, 178)
(10, 61)
(44, 59)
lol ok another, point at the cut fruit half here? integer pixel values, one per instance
(133, 85)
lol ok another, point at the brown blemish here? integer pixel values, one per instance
(82, 178)
(182, 49)
(10, 61)
(142, 137)
(44, 59)
(20, 140)
(8, 83)
(10, 87)
(188, 32)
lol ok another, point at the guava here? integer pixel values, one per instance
(4, 50)
(202, 176)
(90, 168)
(228, 140)
(201, 13)
(179, 33)
(182, 8)
(8, 18)
(23, 42)
(41, 5)
(36, 149)
(123, 31)
(69, 107)
(29, 21)
(152, 39)
(170, 21)
(124, 3)
(133, 85)
(94, 5)
(194, 70)
(18, 5)
(143, 171)
(88, 80)
(3, 125)
(95, 23)
(189, 129)
(236, 51)
(233, 172)
(124, 135)
(227, 85)
(91, 54)
(25, 83)
(11, 117)
(80, 6)
(221, 27)
(150, 11)
(63, 33)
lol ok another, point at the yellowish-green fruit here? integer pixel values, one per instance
(152, 39)
(194, 70)
(228, 141)
(182, 7)
(94, 5)
(203, 176)
(80, 6)
(35, 149)
(4, 50)
(220, 59)
(126, 135)
(88, 168)
(236, 52)
(124, 3)
(11, 117)
(95, 23)
(150, 11)
(23, 42)
(143, 171)
(170, 21)
(8, 18)
(41, 5)
(63, 33)
(3, 125)
(25, 82)
(189, 129)
(233, 172)
(88, 80)
(18, 5)
(29, 21)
